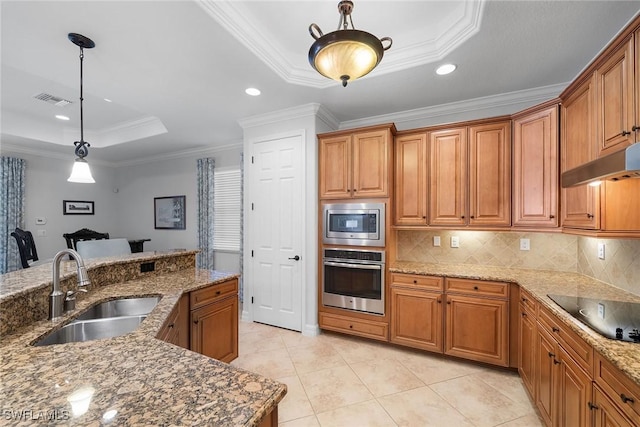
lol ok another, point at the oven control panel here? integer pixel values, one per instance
(348, 254)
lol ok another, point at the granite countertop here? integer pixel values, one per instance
(135, 379)
(624, 355)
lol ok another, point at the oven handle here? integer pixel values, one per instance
(358, 266)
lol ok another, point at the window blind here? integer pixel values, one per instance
(226, 210)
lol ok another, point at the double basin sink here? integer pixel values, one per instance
(103, 320)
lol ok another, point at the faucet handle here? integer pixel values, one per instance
(70, 299)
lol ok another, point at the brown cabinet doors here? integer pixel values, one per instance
(214, 329)
(416, 318)
(411, 179)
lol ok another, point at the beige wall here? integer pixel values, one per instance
(549, 251)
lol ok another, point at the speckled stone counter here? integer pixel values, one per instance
(624, 355)
(131, 380)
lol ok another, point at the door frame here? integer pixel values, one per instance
(248, 225)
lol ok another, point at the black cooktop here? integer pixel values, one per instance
(613, 319)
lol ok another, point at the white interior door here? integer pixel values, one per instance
(277, 223)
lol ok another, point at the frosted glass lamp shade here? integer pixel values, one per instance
(81, 172)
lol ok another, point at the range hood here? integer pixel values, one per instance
(615, 166)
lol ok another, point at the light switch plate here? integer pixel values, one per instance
(601, 310)
(41, 220)
(525, 244)
(601, 250)
(41, 233)
(455, 242)
(436, 240)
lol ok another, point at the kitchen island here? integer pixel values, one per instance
(134, 379)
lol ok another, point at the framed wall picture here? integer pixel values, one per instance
(169, 213)
(77, 207)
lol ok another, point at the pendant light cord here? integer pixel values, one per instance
(81, 146)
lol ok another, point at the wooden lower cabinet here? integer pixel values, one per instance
(214, 330)
(176, 328)
(606, 413)
(416, 318)
(477, 329)
(527, 354)
(354, 326)
(573, 391)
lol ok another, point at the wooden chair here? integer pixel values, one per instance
(26, 246)
(82, 234)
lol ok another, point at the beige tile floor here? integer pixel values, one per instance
(338, 380)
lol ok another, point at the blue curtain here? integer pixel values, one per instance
(205, 213)
(12, 171)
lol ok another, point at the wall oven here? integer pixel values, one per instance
(353, 279)
(354, 224)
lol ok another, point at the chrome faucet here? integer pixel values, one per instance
(56, 298)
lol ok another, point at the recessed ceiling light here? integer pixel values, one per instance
(108, 100)
(61, 117)
(252, 91)
(445, 69)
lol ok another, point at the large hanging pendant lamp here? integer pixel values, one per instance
(81, 172)
(345, 54)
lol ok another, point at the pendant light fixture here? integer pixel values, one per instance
(345, 54)
(81, 172)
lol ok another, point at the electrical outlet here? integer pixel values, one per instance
(455, 242)
(601, 310)
(601, 250)
(436, 240)
(525, 244)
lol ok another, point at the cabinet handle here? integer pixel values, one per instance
(350, 326)
(195, 321)
(217, 292)
(592, 406)
(424, 217)
(354, 190)
(625, 133)
(171, 326)
(449, 302)
(524, 299)
(554, 329)
(552, 354)
(475, 288)
(439, 301)
(635, 128)
(524, 314)
(589, 216)
(626, 399)
(462, 217)
(551, 216)
(415, 281)
(555, 362)
(472, 216)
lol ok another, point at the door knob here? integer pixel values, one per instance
(295, 258)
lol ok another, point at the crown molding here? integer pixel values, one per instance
(532, 96)
(302, 111)
(180, 154)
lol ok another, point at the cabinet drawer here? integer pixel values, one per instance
(477, 288)
(353, 326)
(623, 392)
(581, 352)
(417, 281)
(204, 296)
(528, 303)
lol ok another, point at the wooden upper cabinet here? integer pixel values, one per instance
(615, 100)
(411, 179)
(580, 205)
(356, 163)
(490, 174)
(335, 167)
(448, 182)
(535, 168)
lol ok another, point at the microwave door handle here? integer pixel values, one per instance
(358, 266)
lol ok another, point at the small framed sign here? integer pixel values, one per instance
(169, 213)
(77, 207)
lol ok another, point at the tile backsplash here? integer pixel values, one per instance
(621, 266)
(548, 251)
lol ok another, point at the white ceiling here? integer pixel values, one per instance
(176, 71)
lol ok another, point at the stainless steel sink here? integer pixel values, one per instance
(121, 307)
(103, 320)
(88, 330)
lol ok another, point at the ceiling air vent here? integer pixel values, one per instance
(51, 99)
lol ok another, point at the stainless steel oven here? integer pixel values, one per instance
(353, 224)
(353, 279)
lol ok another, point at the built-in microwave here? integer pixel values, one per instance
(354, 224)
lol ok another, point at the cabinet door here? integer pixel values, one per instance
(580, 205)
(527, 353)
(535, 169)
(176, 328)
(477, 329)
(621, 205)
(214, 329)
(574, 392)
(416, 319)
(606, 413)
(335, 167)
(411, 179)
(448, 177)
(371, 158)
(614, 80)
(545, 378)
(490, 174)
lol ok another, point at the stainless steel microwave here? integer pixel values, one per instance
(354, 224)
